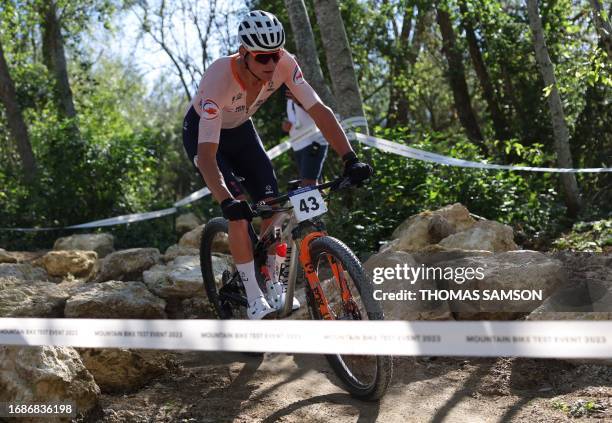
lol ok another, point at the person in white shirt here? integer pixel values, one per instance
(309, 146)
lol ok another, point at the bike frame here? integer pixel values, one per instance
(300, 249)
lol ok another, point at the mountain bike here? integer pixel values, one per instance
(336, 285)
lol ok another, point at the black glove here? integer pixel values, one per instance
(357, 171)
(236, 210)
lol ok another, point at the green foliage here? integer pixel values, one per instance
(587, 236)
(402, 187)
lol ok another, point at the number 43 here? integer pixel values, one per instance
(313, 205)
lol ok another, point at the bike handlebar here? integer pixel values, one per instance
(265, 209)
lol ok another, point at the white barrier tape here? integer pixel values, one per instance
(125, 219)
(117, 220)
(347, 124)
(544, 339)
(192, 197)
(413, 153)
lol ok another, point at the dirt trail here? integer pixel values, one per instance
(233, 387)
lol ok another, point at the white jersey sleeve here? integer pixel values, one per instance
(211, 99)
(291, 112)
(294, 79)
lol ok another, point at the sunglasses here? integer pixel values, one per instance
(264, 58)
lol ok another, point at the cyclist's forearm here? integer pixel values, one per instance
(330, 128)
(215, 183)
(212, 176)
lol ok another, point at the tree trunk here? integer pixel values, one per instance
(603, 27)
(456, 76)
(399, 63)
(54, 58)
(560, 129)
(339, 58)
(307, 50)
(500, 124)
(16, 124)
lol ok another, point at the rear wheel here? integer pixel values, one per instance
(365, 376)
(221, 280)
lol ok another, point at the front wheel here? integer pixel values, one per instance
(349, 296)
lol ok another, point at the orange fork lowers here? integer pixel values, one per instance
(313, 278)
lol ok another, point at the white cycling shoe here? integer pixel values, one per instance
(259, 308)
(275, 294)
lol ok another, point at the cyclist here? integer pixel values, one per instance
(221, 141)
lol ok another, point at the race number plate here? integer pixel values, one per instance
(307, 203)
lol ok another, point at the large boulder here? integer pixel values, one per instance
(118, 370)
(102, 244)
(529, 276)
(45, 375)
(23, 271)
(31, 299)
(6, 257)
(187, 222)
(428, 228)
(484, 235)
(128, 264)
(390, 273)
(115, 300)
(70, 262)
(181, 278)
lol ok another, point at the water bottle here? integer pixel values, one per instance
(279, 262)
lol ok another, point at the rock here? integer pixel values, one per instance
(403, 309)
(428, 228)
(187, 222)
(100, 243)
(196, 308)
(484, 235)
(45, 375)
(65, 262)
(6, 257)
(128, 264)
(587, 300)
(115, 300)
(435, 254)
(176, 250)
(23, 271)
(523, 271)
(181, 278)
(119, 370)
(439, 228)
(192, 238)
(32, 299)
(221, 244)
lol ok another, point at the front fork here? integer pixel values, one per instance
(315, 284)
